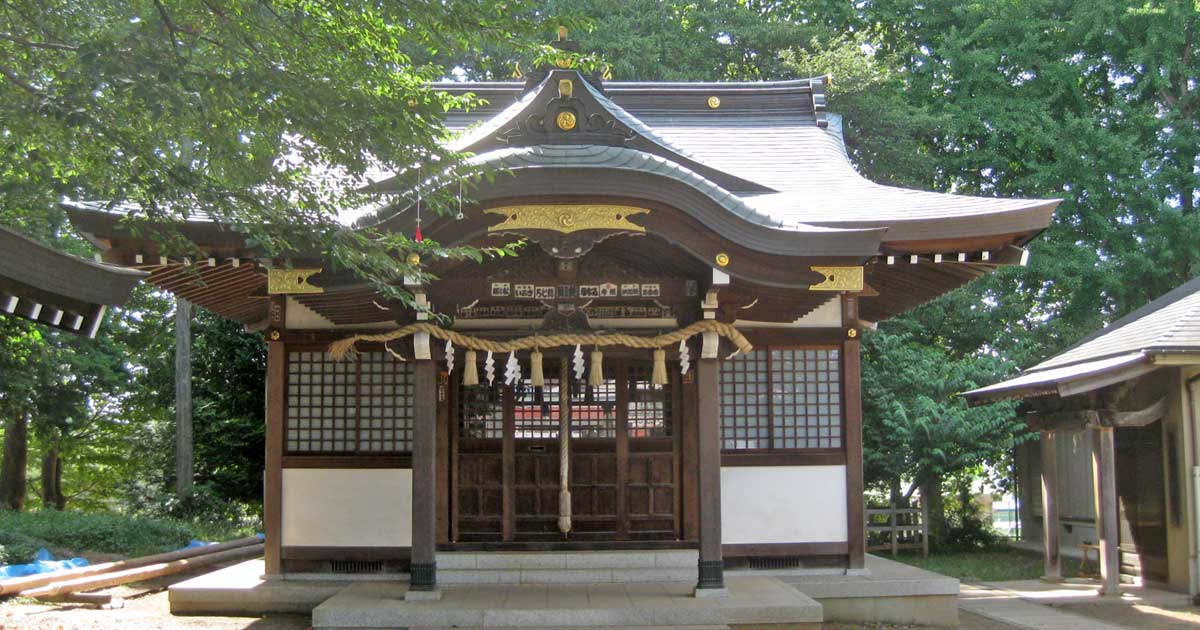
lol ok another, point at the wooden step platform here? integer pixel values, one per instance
(758, 601)
(566, 567)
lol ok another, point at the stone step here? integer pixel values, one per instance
(709, 627)
(521, 560)
(750, 601)
(563, 576)
(566, 567)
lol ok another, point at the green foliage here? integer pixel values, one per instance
(996, 565)
(916, 428)
(105, 533)
(263, 116)
(18, 548)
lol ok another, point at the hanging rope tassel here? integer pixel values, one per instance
(470, 371)
(659, 375)
(596, 376)
(535, 369)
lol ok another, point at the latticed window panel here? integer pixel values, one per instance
(359, 405)
(385, 404)
(782, 399)
(745, 402)
(536, 410)
(481, 411)
(594, 408)
(648, 412)
(806, 398)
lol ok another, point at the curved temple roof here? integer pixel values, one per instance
(766, 159)
(775, 137)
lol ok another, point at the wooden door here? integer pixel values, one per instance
(623, 473)
(1142, 505)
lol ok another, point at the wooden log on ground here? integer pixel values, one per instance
(115, 578)
(16, 585)
(95, 599)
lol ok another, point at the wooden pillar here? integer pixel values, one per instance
(708, 412)
(423, 566)
(184, 450)
(273, 482)
(1104, 479)
(852, 399)
(1049, 450)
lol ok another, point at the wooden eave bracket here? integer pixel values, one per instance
(1085, 419)
(1008, 255)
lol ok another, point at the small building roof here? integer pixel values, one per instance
(1130, 346)
(57, 289)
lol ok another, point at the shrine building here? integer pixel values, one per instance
(669, 367)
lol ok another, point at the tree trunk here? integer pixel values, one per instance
(931, 492)
(184, 454)
(52, 494)
(12, 469)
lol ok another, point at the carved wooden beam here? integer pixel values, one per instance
(1084, 419)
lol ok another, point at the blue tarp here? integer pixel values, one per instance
(43, 563)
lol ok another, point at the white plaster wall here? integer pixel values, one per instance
(783, 504)
(347, 507)
(827, 315)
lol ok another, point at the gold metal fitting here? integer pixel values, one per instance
(275, 335)
(852, 333)
(722, 259)
(413, 258)
(713, 102)
(565, 88)
(565, 120)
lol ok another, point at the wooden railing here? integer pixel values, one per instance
(894, 528)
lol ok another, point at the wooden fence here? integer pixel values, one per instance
(894, 528)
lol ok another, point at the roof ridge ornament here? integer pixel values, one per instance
(819, 102)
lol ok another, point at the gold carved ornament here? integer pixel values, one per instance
(567, 218)
(838, 279)
(565, 120)
(291, 281)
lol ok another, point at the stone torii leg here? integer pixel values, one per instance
(1049, 451)
(1104, 478)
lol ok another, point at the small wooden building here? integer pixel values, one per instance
(727, 211)
(1117, 415)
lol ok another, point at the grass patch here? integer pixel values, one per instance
(78, 532)
(991, 565)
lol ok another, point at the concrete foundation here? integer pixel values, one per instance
(890, 592)
(755, 601)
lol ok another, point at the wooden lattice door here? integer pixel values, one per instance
(623, 473)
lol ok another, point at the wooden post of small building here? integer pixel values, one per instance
(1049, 451)
(1104, 479)
(711, 567)
(423, 565)
(184, 454)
